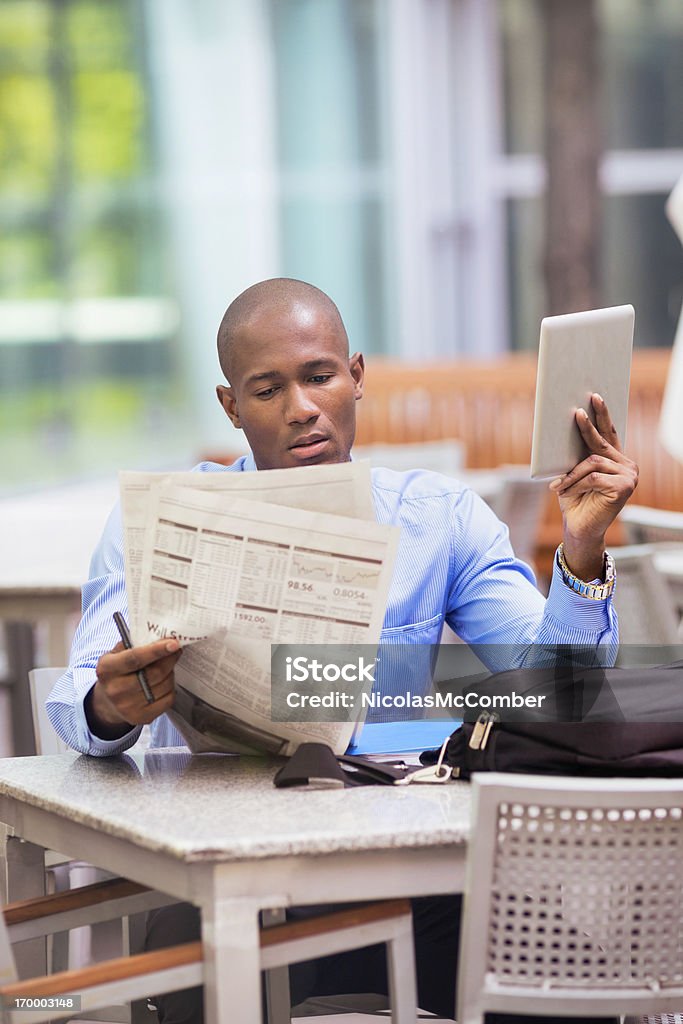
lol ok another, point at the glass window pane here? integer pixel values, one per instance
(642, 46)
(643, 53)
(522, 73)
(332, 156)
(642, 264)
(526, 289)
(87, 362)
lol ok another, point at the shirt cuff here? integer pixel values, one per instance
(94, 744)
(565, 605)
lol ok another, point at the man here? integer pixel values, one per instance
(292, 389)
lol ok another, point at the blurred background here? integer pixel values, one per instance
(448, 170)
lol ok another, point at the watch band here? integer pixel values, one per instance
(592, 591)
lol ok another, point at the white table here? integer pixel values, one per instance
(213, 830)
(46, 541)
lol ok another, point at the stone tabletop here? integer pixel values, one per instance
(223, 808)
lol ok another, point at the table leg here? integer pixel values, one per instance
(26, 878)
(232, 989)
(276, 980)
(402, 980)
(6, 832)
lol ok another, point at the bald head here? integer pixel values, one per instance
(277, 299)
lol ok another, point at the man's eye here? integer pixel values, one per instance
(266, 393)
(320, 378)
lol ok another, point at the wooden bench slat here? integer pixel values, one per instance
(175, 956)
(338, 919)
(109, 970)
(73, 899)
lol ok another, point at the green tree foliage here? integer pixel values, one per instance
(73, 144)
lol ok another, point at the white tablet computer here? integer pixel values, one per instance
(579, 353)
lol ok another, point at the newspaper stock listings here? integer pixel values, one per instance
(231, 562)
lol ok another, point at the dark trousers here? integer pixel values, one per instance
(436, 924)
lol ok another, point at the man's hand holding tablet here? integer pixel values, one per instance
(594, 492)
(584, 363)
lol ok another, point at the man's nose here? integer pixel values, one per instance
(301, 408)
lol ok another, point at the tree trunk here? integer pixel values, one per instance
(573, 146)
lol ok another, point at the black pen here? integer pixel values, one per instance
(124, 633)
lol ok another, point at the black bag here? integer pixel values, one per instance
(591, 721)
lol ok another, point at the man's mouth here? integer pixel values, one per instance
(310, 446)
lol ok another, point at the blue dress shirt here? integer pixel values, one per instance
(454, 564)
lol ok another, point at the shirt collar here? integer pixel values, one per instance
(249, 465)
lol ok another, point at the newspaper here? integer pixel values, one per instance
(344, 489)
(228, 579)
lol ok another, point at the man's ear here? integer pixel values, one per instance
(357, 371)
(226, 396)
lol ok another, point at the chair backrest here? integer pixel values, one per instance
(643, 600)
(644, 525)
(445, 456)
(521, 506)
(41, 681)
(573, 897)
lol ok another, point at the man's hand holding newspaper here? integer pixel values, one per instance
(229, 564)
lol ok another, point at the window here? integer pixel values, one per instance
(641, 44)
(86, 325)
(332, 156)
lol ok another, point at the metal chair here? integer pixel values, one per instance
(63, 873)
(40, 682)
(521, 506)
(648, 617)
(573, 898)
(446, 456)
(644, 525)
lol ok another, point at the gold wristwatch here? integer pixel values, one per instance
(592, 591)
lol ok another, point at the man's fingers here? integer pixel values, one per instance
(161, 682)
(603, 443)
(148, 712)
(604, 421)
(593, 464)
(121, 662)
(160, 670)
(602, 436)
(117, 674)
(162, 687)
(595, 441)
(125, 696)
(605, 483)
(140, 657)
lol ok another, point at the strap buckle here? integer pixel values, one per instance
(438, 772)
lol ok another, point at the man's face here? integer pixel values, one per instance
(293, 389)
